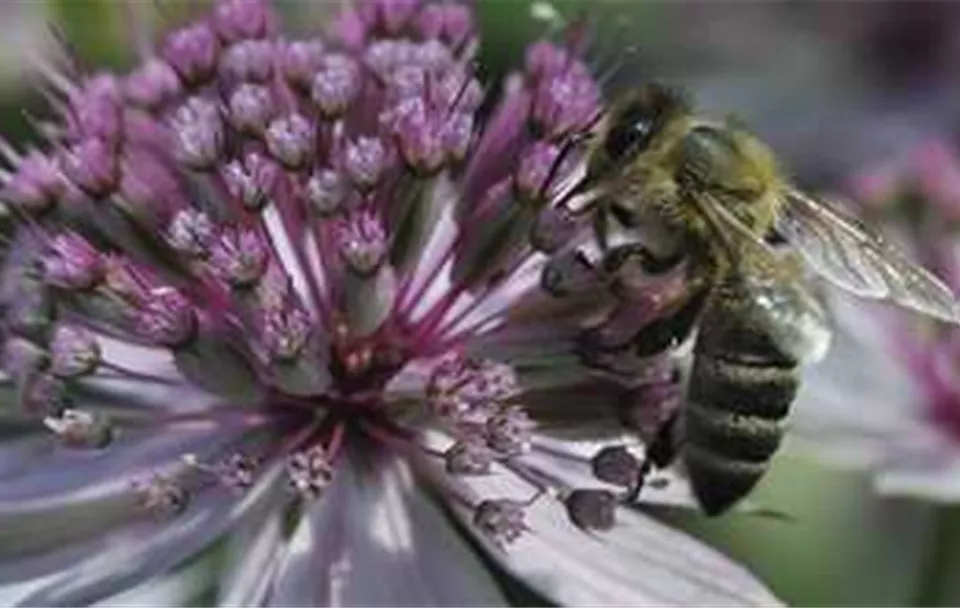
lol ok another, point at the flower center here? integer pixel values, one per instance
(362, 366)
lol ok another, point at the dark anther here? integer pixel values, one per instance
(592, 509)
(616, 465)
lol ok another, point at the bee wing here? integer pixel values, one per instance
(773, 283)
(847, 253)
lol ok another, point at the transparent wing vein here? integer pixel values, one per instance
(851, 256)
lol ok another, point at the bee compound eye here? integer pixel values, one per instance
(630, 134)
(639, 119)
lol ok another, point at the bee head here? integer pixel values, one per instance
(630, 126)
(635, 120)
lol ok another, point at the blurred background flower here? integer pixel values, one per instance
(886, 398)
(888, 395)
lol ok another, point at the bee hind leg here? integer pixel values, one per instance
(661, 452)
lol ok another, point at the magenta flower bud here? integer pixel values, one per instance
(385, 56)
(502, 520)
(72, 263)
(536, 164)
(388, 16)
(420, 140)
(309, 471)
(192, 52)
(238, 256)
(469, 457)
(199, 133)
(406, 83)
(433, 56)
(239, 19)
(152, 85)
(565, 103)
(250, 60)
(95, 111)
(466, 391)
(458, 24)
(362, 242)
(326, 191)
(451, 23)
(149, 184)
(251, 108)
(364, 162)
(167, 317)
(509, 432)
(36, 185)
(92, 165)
(457, 135)
(408, 107)
(430, 21)
(191, 233)
(285, 332)
(456, 89)
(73, 352)
(290, 140)
(335, 86)
(545, 59)
(237, 472)
(300, 60)
(251, 179)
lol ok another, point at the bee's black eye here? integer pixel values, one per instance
(637, 121)
(631, 133)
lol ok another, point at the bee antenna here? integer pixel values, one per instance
(586, 132)
(572, 142)
(467, 79)
(619, 61)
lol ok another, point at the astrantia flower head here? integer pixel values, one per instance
(300, 299)
(889, 397)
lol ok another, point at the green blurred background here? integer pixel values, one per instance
(833, 86)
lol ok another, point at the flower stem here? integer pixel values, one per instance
(936, 584)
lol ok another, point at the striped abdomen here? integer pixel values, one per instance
(740, 390)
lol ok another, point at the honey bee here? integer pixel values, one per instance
(719, 189)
